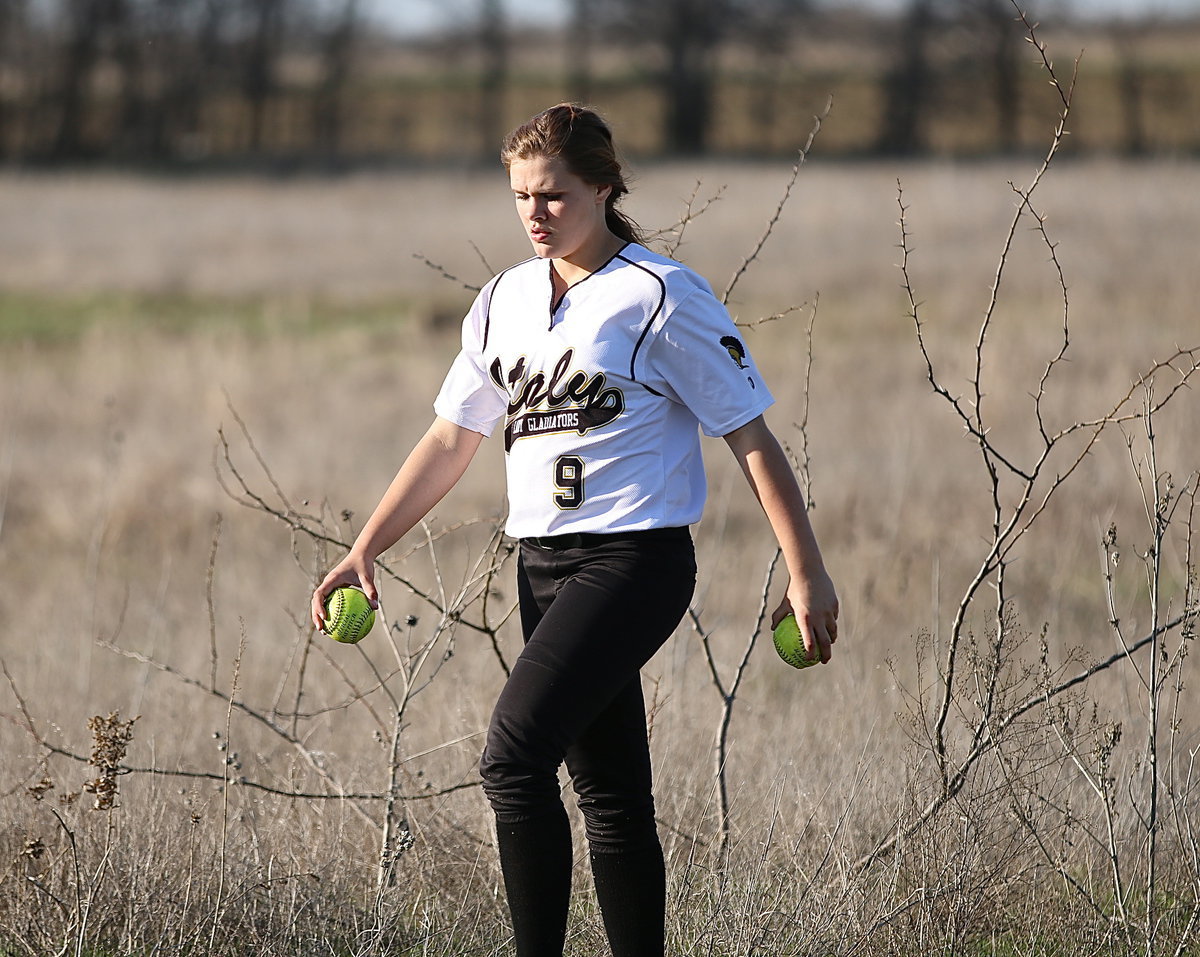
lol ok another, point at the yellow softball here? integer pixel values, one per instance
(348, 615)
(790, 644)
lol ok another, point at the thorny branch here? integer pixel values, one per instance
(446, 274)
(311, 526)
(995, 734)
(671, 237)
(1005, 534)
(1037, 486)
(728, 695)
(336, 794)
(802, 156)
(416, 665)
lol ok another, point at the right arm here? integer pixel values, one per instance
(433, 467)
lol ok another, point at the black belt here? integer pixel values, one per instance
(588, 539)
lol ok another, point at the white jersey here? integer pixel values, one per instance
(603, 394)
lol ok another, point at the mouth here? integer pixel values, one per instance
(539, 235)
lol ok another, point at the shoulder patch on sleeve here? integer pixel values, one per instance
(737, 351)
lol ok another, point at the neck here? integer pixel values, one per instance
(586, 261)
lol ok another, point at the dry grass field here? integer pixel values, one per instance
(164, 340)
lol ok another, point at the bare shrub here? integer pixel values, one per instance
(1012, 738)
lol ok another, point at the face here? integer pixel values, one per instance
(563, 216)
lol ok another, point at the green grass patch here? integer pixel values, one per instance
(1018, 945)
(61, 320)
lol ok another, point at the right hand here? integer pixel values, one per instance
(355, 570)
(814, 602)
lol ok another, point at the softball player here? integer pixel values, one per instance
(600, 362)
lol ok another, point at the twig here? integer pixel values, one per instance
(445, 274)
(802, 156)
(210, 602)
(250, 784)
(774, 317)
(309, 525)
(728, 698)
(487, 267)
(225, 768)
(690, 214)
(297, 744)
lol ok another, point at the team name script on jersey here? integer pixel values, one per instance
(566, 402)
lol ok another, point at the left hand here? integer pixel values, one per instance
(814, 602)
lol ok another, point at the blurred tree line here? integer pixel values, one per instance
(315, 81)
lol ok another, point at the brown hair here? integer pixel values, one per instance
(579, 137)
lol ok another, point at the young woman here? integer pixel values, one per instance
(601, 361)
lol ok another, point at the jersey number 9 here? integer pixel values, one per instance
(568, 477)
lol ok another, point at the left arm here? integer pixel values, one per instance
(810, 593)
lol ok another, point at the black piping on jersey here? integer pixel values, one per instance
(487, 316)
(554, 305)
(662, 298)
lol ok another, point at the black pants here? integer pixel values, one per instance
(593, 612)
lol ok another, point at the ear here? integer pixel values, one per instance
(602, 193)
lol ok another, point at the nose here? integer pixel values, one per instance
(537, 210)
